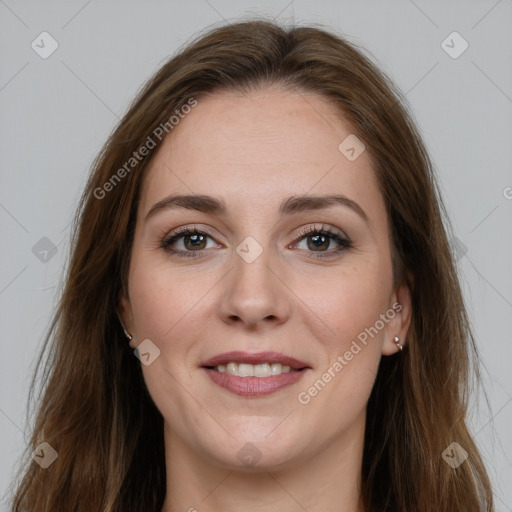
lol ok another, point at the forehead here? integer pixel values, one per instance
(260, 148)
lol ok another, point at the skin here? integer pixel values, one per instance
(254, 151)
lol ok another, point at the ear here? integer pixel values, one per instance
(398, 325)
(124, 312)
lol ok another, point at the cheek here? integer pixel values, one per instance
(357, 299)
(158, 303)
(348, 301)
(343, 381)
(166, 308)
(168, 304)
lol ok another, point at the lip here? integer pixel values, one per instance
(256, 358)
(254, 386)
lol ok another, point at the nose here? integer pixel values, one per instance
(254, 293)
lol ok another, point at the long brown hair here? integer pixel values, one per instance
(94, 408)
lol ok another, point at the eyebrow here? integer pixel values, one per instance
(294, 204)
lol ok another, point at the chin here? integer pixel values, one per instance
(255, 453)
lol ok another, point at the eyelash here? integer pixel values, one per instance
(344, 242)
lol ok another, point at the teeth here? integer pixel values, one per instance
(254, 370)
(262, 370)
(246, 370)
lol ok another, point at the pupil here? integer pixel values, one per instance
(318, 238)
(195, 240)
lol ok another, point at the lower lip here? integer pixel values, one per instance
(254, 386)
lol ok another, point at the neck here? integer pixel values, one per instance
(328, 481)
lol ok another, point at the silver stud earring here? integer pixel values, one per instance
(396, 339)
(126, 333)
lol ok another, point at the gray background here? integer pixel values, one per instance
(58, 111)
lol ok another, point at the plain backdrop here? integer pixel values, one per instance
(56, 113)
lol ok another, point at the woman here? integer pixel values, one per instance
(264, 232)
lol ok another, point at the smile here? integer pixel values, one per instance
(254, 375)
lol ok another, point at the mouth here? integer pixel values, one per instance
(253, 370)
(254, 375)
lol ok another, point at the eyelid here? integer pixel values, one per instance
(313, 228)
(343, 241)
(180, 232)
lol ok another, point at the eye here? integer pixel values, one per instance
(189, 241)
(319, 240)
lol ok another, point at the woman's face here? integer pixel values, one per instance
(259, 275)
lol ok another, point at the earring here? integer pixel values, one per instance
(396, 339)
(126, 333)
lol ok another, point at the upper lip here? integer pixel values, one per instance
(255, 358)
